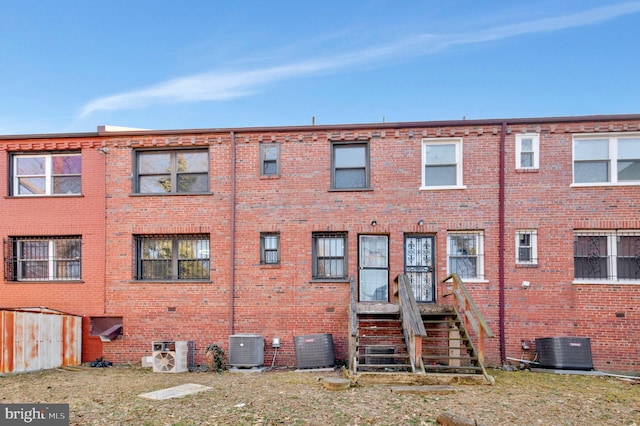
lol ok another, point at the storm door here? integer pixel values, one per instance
(373, 268)
(419, 257)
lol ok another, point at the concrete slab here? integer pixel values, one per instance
(580, 372)
(175, 392)
(336, 383)
(247, 370)
(377, 308)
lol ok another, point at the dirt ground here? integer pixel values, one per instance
(109, 396)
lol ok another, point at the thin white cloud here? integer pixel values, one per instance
(217, 86)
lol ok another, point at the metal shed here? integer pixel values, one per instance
(34, 339)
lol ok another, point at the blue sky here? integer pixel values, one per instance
(71, 66)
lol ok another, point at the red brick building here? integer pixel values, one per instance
(202, 234)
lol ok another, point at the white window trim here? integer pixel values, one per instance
(612, 248)
(440, 141)
(533, 233)
(48, 176)
(535, 137)
(479, 235)
(613, 158)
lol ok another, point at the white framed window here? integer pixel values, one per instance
(442, 163)
(606, 160)
(527, 247)
(527, 151)
(47, 174)
(607, 256)
(465, 254)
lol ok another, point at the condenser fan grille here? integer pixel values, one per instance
(171, 357)
(164, 361)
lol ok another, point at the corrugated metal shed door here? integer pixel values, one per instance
(36, 339)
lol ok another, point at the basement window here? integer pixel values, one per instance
(107, 328)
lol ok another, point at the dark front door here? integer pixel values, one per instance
(419, 258)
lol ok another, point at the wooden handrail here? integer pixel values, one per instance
(412, 324)
(468, 312)
(353, 307)
(465, 301)
(353, 324)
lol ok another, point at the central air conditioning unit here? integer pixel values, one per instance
(314, 351)
(568, 353)
(170, 357)
(246, 350)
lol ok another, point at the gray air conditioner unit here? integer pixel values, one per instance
(246, 350)
(568, 353)
(314, 351)
(170, 357)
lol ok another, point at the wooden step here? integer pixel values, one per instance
(425, 348)
(394, 367)
(470, 358)
(452, 368)
(443, 339)
(377, 355)
(379, 327)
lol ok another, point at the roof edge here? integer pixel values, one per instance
(325, 127)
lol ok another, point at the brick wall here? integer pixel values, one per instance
(283, 301)
(60, 216)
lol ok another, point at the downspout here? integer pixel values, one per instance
(501, 244)
(103, 150)
(232, 251)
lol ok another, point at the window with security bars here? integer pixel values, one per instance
(269, 248)
(607, 255)
(527, 247)
(465, 254)
(46, 174)
(329, 256)
(43, 258)
(171, 257)
(171, 172)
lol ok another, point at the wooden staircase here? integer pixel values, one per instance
(447, 347)
(411, 338)
(380, 343)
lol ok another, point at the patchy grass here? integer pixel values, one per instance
(109, 396)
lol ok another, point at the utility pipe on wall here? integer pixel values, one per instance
(232, 251)
(501, 243)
